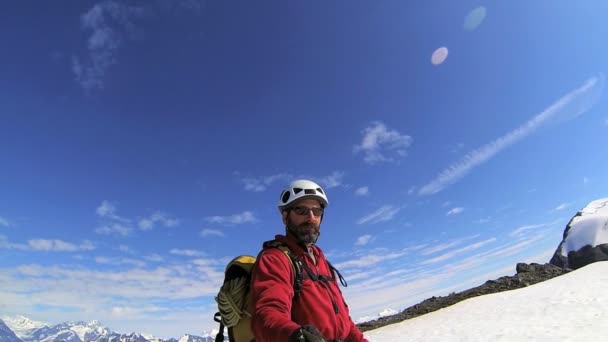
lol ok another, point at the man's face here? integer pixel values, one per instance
(305, 227)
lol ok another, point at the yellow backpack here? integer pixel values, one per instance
(234, 297)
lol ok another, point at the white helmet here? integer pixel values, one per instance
(299, 189)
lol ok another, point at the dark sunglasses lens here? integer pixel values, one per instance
(317, 211)
(305, 210)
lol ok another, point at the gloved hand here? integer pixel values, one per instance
(306, 333)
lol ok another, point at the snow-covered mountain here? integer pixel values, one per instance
(6, 334)
(191, 338)
(22, 326)
(22, 329)
(585, 239)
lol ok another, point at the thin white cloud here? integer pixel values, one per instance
(259, 184)
(568, 107)
(456, 252)
(187, 252)
(458, 147)
(4, 222)
(482, 220)
(333, 180)
(107, 209)
(379, 142)
(244, 217)
(585, 180)
(362, 191)
(520, 230)
(562, 206)
(363, 240)
(440, 247)
(211, 232)
(125, 249)
(56, 245)
(443, 246)
(110, 24)
(148, 223)
(114, 229)
(183, 284)
(455, 211)
(119, 261)
(606, 122)
(369, 260)
(154, 257)
(384, 213)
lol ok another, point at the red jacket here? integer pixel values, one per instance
(276, 314)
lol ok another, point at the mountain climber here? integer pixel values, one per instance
(313, 311)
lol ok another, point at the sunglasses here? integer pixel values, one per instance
(305, 210)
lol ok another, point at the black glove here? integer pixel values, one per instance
(306, 333)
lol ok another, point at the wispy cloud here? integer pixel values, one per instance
(562, 206)
(187, 252)
(211, 232)
(455, 211)
(333, 180)
(125, 249)
(4, 222)
(52, 245)
(182, 285)
(369, 260)
(119, 261)
(440, 247)
(362, 191)
(107, 209)
(148, 223)
(110, 24)
(363, 240)
(381, 144)
(482, 220)
(456, 252)
(244, 217)
(154, 257)
(568, 107)
(520, 230)
(259, 184)
(114, 229)
(384, 213)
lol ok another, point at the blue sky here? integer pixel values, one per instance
(144, 144)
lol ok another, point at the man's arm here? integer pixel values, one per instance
(272, 295)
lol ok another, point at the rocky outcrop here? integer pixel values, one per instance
(585, 239)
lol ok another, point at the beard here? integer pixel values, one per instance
(306, 232)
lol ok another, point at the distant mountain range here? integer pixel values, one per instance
(22, 329)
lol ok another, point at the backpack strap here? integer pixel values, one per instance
(296, 264)
(220, 334)
(335, 271)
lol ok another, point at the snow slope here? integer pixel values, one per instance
(571, 307)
